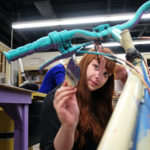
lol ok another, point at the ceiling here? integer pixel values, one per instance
(28, 10)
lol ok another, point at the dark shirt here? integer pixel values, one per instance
(53, 77)
(51, 125)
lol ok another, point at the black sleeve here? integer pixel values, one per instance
(49, 122)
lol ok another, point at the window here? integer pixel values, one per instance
(148, 62)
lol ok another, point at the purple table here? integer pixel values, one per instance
(15, 102)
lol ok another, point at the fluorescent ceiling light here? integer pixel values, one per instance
(146, 16)
(112, 44)
(71, 21)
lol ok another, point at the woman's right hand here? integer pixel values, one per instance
(66, 106)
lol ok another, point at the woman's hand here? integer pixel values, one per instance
(66, 106)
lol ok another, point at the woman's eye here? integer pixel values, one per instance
(96, 66)
(106, 74)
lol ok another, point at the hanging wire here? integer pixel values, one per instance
(129, 65)
(97, 55)
(132, 68)
(98, 42)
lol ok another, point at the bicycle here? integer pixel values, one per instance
(133, 107)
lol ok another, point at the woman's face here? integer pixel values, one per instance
(97, 74)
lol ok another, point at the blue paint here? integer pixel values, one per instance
(143, 120)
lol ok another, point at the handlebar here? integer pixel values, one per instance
(62, 40)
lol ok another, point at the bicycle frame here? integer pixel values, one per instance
(129, 126)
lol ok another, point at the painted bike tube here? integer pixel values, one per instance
(121, 127)
(62, 40)
(42, 44)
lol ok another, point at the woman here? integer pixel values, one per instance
(75, 118)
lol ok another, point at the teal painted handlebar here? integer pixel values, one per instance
(62, 40)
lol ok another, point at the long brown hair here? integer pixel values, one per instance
(95, 107)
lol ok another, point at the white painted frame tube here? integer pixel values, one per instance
(120, 129)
